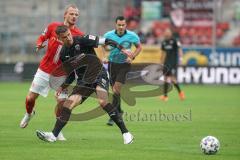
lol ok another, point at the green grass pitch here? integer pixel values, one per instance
(208, 110)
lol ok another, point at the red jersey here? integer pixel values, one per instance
(51, 60)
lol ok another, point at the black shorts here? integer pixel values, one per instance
(170, 71)
(85, 89)
(118, 72)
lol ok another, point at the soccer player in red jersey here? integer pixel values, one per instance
(40, 84)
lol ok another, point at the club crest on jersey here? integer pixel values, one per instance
(77, 47)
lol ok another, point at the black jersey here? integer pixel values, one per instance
(80, 58)
(81, 45)
(170, 47)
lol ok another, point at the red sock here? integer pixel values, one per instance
(29, 105)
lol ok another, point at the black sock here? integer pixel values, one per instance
(165, 88)
(177, 87)
(116, 117)
(61, 121)
(117, 102)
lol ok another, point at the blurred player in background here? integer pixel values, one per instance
(172, 56)
(40, 84)
(119, 63)
(78, 56)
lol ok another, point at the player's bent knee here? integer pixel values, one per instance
(74, 104)
(72, 101)
(102, 103)
(68, 104)
(30, 98)
(116, 90)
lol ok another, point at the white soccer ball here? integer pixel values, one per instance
(209, 145)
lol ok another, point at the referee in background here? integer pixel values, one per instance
(119, 64)
(172, 56)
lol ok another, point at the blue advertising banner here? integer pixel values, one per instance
(205, 57)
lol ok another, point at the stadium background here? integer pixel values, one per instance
(209, 31)
(210, 34)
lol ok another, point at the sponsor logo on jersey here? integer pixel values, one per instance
(92, 37)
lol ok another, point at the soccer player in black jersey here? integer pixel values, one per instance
(79, 58)
(172, 56)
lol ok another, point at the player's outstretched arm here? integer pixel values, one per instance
(106, 41)
(39, 47)
(44, 37)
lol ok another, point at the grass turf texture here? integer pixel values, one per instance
(214, 111)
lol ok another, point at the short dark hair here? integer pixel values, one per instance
(120, 18)
(61, 29)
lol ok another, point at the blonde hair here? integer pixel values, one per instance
(70, 6)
